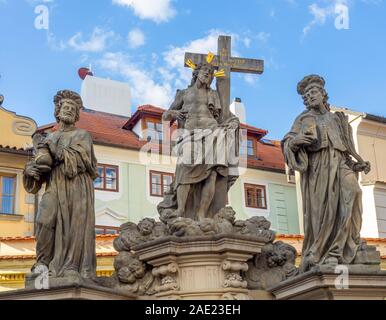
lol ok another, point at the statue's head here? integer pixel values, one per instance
(312, 90)
(146, 226)
(128, 268)
(260, 222)
(67, 106)
(279, 253)
(226, 213)
(204, 73)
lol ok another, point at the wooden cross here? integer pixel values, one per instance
(224, 61)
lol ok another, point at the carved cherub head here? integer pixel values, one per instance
(181, 227)
(259, 222)
(146, 226)
(226, 213)
(168, 215)
(279, 253)
(128, 268)
(67, 106)
(207, 226)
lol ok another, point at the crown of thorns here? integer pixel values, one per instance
(209, 60)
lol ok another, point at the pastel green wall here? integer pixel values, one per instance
(122, 203)
(283, 209)
(133, 202)
(236, 200)
(282, 212)
(139, 206)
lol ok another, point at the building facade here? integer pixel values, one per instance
(369, 133)
(17, 207)
(131, 183)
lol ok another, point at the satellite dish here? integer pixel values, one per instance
(84, 72)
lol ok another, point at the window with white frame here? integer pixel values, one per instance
(107, 178)
(7, 193)
(255, 196)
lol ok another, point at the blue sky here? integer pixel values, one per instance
(142, 42)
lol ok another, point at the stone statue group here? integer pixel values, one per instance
(319, 146)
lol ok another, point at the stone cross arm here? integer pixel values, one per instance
(235, 64)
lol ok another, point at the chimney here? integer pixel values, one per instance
(238, 109)
(106, 95)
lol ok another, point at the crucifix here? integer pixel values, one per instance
(224, 61)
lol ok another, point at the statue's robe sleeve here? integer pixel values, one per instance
(295, 159)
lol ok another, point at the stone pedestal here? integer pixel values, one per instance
(320, 285)
(200, 268)
(82, 292)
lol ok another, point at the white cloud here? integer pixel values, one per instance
(250, 79)
(136, 38)
(320, 14)
(144, 89)
(263, 36)
(247, 42)
(156, 10)
(96, 43)
(174, 57)
(155, 80)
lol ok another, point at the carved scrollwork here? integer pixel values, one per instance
(23, 128)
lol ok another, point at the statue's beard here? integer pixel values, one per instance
(67, 119)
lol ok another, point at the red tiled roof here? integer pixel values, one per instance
(254, 130)
(114, 130)
(151, 108)
(146, 109)
(105, 128)
(268, 157)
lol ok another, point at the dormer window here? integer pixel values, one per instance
(153, 129)
(251, 147)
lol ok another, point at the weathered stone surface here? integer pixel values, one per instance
(67, 292)
(131, 276)
(320, 146)
(206, 267)
(323, 285)
(224, 61)
(65, 235)
(275, 264)
(207, 150)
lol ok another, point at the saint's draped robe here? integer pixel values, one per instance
(199, 153)
(332, 204)
(65, 232)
